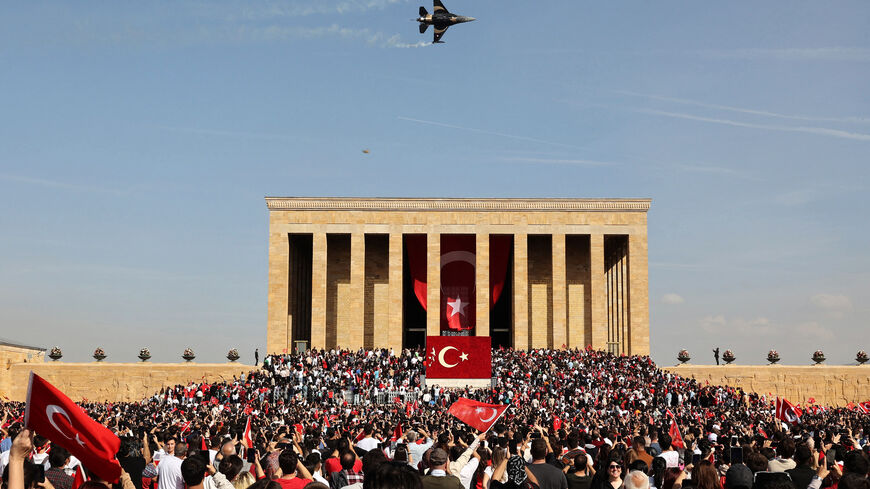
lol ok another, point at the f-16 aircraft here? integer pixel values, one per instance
(440, 18)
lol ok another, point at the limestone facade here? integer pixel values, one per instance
(578, 277)
(11, 354)
(115, 382)
(830, 385)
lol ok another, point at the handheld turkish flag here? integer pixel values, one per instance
(787, 412)
(53, 415)
(79, 477)
(458, 357)
(478, 415)
(674, 432)
(249, 440)
(865, 407)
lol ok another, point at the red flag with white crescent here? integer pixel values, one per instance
(53, 415)
(478, 415)
(458, 357)
(787, 411)
(458, 262)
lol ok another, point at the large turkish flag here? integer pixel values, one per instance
(458, 262)
(478, 415)
(53, 415)
(458, 357)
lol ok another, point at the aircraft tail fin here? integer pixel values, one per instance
(423, 28)
(423, 12)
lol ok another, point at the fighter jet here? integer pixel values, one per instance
(440, 18)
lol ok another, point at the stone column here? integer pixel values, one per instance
(481, 284)
(277, 335)
(433, 284)
(318, 290)
(356, 308)
(394, 333)
(560, 302)
(638, 294)
(598, 293)
(521, 291)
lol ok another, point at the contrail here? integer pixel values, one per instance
(491, 133)
(743, 110)
(822, 131)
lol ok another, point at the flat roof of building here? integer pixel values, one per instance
(455, 204)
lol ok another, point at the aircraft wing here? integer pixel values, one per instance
(437, 6)
(439, 31)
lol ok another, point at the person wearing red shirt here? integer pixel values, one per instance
(294, 475)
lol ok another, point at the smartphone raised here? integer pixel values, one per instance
(251, 455)
(736, 455)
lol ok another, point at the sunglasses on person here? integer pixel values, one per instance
(615, 466)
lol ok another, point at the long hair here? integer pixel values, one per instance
(481, 467)
(706, 476)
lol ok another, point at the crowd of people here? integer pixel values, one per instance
(577, 419)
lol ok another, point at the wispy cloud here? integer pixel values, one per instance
(744, 110)
(484, 131)
(59, 185)
(717, 170)
(557, 161)
(673, 299)
(821, 131)
(835, 53)
(760, 326)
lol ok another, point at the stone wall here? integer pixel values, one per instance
(829, 385)
(114, 382)
(12, 354)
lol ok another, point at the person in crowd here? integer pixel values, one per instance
(578, 476)
(347, 475)
(169, 474)
(804, 469)
(294, 475)
(58, 457)
(438, 478)
(671, 456)
(548, 476)
(636, 480)
(783, 460)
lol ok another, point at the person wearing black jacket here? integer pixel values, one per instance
(804, 472)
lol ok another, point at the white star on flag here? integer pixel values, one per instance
(464, 356)
(457, 306)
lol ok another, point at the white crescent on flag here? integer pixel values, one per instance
(441, 357)
(53, 409)
(487, 420)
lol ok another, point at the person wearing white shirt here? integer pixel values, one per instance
(169, 470)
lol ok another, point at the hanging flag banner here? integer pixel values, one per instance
(458, 357)
(457, 264)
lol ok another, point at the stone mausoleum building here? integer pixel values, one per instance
(387, 272)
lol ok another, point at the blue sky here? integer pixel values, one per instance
(137, 140)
